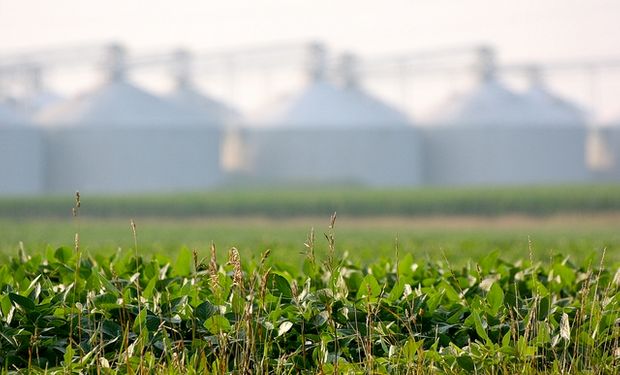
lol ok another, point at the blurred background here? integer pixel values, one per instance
(164, 96)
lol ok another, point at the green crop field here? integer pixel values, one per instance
(456, 238)
(279, 202)
(268, 286)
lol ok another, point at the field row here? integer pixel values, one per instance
(435, 238)
(280, 202)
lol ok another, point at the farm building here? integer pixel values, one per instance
(548, 109)
(489, 104)
(322, 104)
(493, 135)
(209, 110)
(21, 155)
(115, 103)
(480, 155)
(40, 100)
(119, 138)
(8, 116)
(188, 97)
(38, 96)
(333, 134)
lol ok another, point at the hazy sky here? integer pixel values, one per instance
(544, 29)
(523, 30)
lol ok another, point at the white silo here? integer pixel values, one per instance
(119, 138)
(9, 116)
(38, 97)
(547, 108)
(322, 104)
(334, 134)
(117, 102)
(21, 155)
(189, 98)
(498, 137)
(489, 103)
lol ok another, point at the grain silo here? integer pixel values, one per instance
(119, 138)
(496, 136)
(322, 104)
(549, 109)
(189, 98)
(9, 116)
(333, 134)
(488, 103)
(117, 102)
(39, 97)
(21, 155)
(40, 100)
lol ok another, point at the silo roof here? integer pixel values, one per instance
(43, 99)
(116, 103)
(209, 109)
(324, 104)
(550, 109)
(491, 103)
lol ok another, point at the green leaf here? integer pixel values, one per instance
(152, 323)
(449, 291)
(184, 263)
(63, 254)
(397, 291)
(524, 349)
(217, 324)
(479, 326)
(466, 363)
(205, 310)
(140, 321)
(539, 288)
(434, 301)
(105, 301)
(369, 285)
(238, 303)
(5, 305)
(150, 287)
(567, 275)
(495, 298)
(488, 262)
(506, 340)
(543, 336)
(410, 349)
(278, 285)
(543, 308)
(405, 264)
(111, 329)
(68, 356)
(310, 268)
(107, 284)
(354, 280)
(26, 303)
